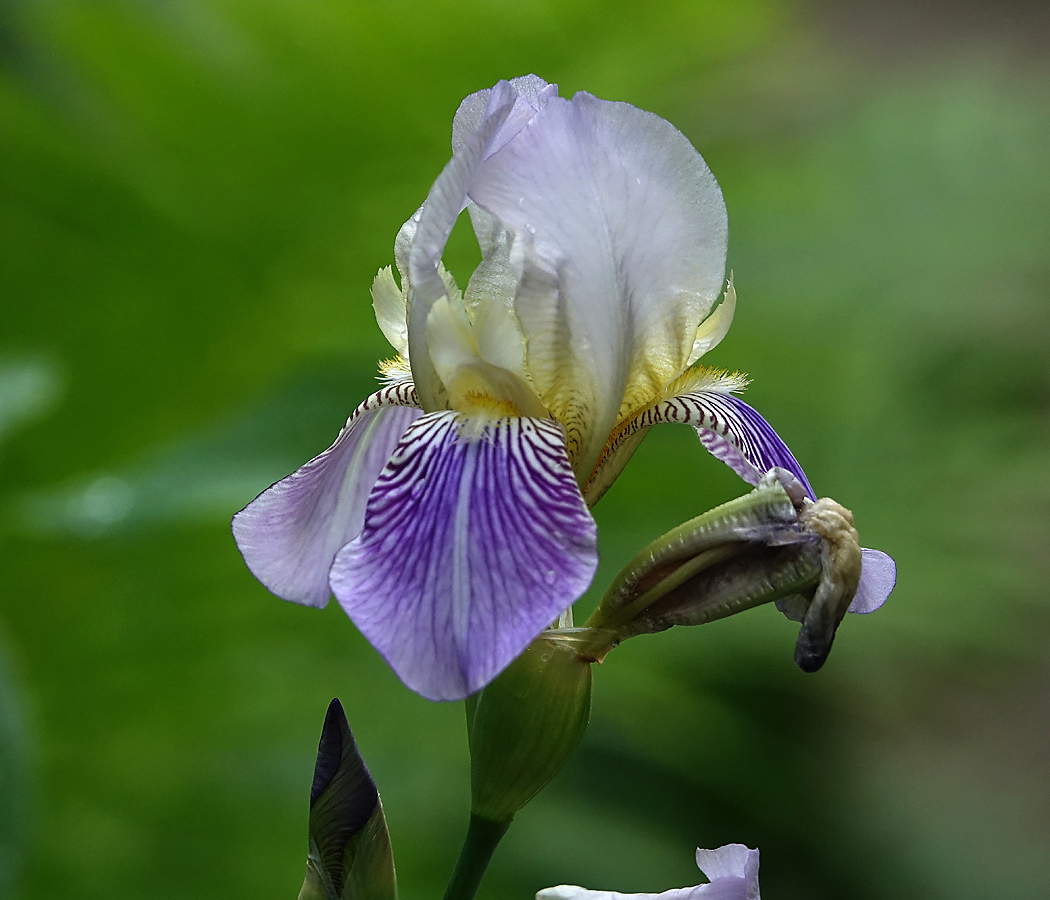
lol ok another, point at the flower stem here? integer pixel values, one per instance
(480, 843)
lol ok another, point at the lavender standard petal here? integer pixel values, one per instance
(437, 216)
(290, 533)
(619, 240)
(473, 543)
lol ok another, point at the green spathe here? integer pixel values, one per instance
(524, 726)
(771, 545)
(741, 554)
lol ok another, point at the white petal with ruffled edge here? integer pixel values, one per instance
(530, 94)
(476, 537)
(575, 892)
(619, 234)
(291, 532)
(439, 212)
(732, 870)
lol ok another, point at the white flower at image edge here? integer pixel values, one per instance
(732, 873)
(451, 517)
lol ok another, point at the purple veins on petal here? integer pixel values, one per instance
(291, 532)
(737, 434)
(474, 541)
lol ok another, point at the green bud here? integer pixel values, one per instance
(771, 545)
(669, 581)
(350, 856)
(524, 726)
(750, 577)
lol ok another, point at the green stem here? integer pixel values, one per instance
(480, 843)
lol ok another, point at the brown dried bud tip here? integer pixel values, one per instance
(840, 575)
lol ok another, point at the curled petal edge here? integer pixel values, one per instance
(289, 534)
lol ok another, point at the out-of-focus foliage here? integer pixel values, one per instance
(194, 198)
(14, 778)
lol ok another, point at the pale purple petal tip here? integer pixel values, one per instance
(733, 870)
(474, 541)
(736, 434)
(291, 532)
(878, 575)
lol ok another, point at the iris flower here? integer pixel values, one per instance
(451, 518)
(732, 870)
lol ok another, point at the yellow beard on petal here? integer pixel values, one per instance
(699, 377)
(395, 371)
(484, 405)
(628, 433)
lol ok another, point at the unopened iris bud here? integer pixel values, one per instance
(772, 545)
(524, 726)
(350, 856)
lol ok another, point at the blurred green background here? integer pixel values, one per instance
(194, 198)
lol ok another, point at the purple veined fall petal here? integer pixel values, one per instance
(738, 435)
(878, 575)
(291, 532)
(476, 537)
(731, 431)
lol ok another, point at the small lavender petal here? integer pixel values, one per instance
(476, 537)
(290, 533)
(878, 575)
(733, 870)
